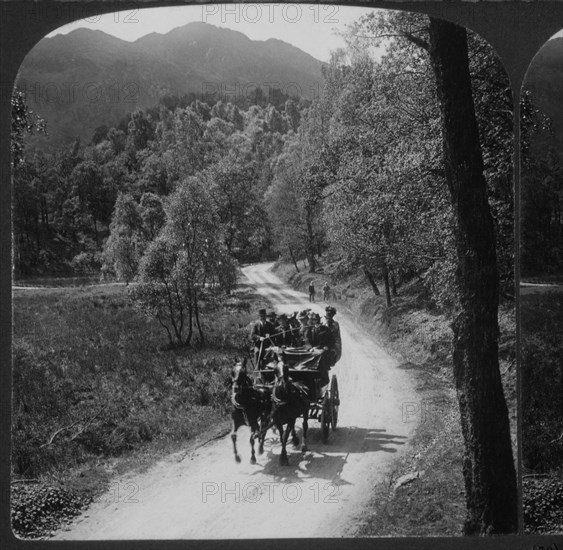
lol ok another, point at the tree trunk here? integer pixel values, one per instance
(310, 240)
(198, 324)
(369, 277)
(387, 286)
(293, 259)
(393, 285)
(190, 326)
(488, 467)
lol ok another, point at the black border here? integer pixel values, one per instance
(515, 28)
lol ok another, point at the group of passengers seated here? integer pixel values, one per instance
(303, 330)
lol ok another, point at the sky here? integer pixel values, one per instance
(310, 27)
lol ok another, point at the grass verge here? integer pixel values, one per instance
(542, 410)
(95, 394)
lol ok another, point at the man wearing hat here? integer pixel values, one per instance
(334, 327)
(319, 337)
(260, 336)
(285, 335)
(272, 318)
(303, 318)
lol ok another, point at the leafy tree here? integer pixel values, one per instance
(232, 185)
(122, 250)
(292, 114)
(186, 264)
(24, 121)
(298, 181)
(152, 215)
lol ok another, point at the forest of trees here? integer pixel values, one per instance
(357, 173)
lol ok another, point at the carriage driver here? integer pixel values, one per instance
(260, 336)
(334, 327)
(319, 337)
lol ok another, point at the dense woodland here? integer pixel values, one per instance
(356, 173)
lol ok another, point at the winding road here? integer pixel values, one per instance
(205, 494)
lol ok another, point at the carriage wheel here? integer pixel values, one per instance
(334, 402)
(325, 417)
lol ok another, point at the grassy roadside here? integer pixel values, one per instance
(542, 409)
(424, 493)
(95, 394)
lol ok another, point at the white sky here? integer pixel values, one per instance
(307, 26)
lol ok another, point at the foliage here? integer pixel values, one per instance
(542, 409)
(89, 379)
(374, 169)
(185, 264)
(123, 248)
(24, 121)
(543, 505)
(37, 510)
(65, 201)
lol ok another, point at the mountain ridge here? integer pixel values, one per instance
(88, 78)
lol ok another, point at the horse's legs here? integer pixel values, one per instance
(254, 429)
(305, 428)
(283, 441)
(294, 438)
(236, 425)
(283, 456)
(263, 429)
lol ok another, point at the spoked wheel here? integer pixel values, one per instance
(325, 417)
(334, 402)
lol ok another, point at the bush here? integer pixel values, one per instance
(543, 505)
(39, 509)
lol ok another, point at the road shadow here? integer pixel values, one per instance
(324, 460)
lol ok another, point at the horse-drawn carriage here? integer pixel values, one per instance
(286, 384)
(303, 367)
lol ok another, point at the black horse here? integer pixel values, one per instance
(252, 406)
(290, 400)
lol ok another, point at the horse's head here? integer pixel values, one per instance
(281, 369)
(239, 376)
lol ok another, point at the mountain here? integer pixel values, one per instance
(86, 78)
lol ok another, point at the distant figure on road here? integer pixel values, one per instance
(311, 292)
(326, 292)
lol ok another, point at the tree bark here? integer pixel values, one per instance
(488, 466)
(370, 278)
(293, 259)
(393, 285)
(310, 239)
(200, 330)
(387, 287)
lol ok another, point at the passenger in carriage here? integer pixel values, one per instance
(334, 327)
(260, 336)
(285, 335)
(272, 318)
(303, 319)
(319, 337)
(293, 321)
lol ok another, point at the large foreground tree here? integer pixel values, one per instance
(488, 466)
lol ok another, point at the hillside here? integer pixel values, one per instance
(87, 78)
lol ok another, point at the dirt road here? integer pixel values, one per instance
(206, 494)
